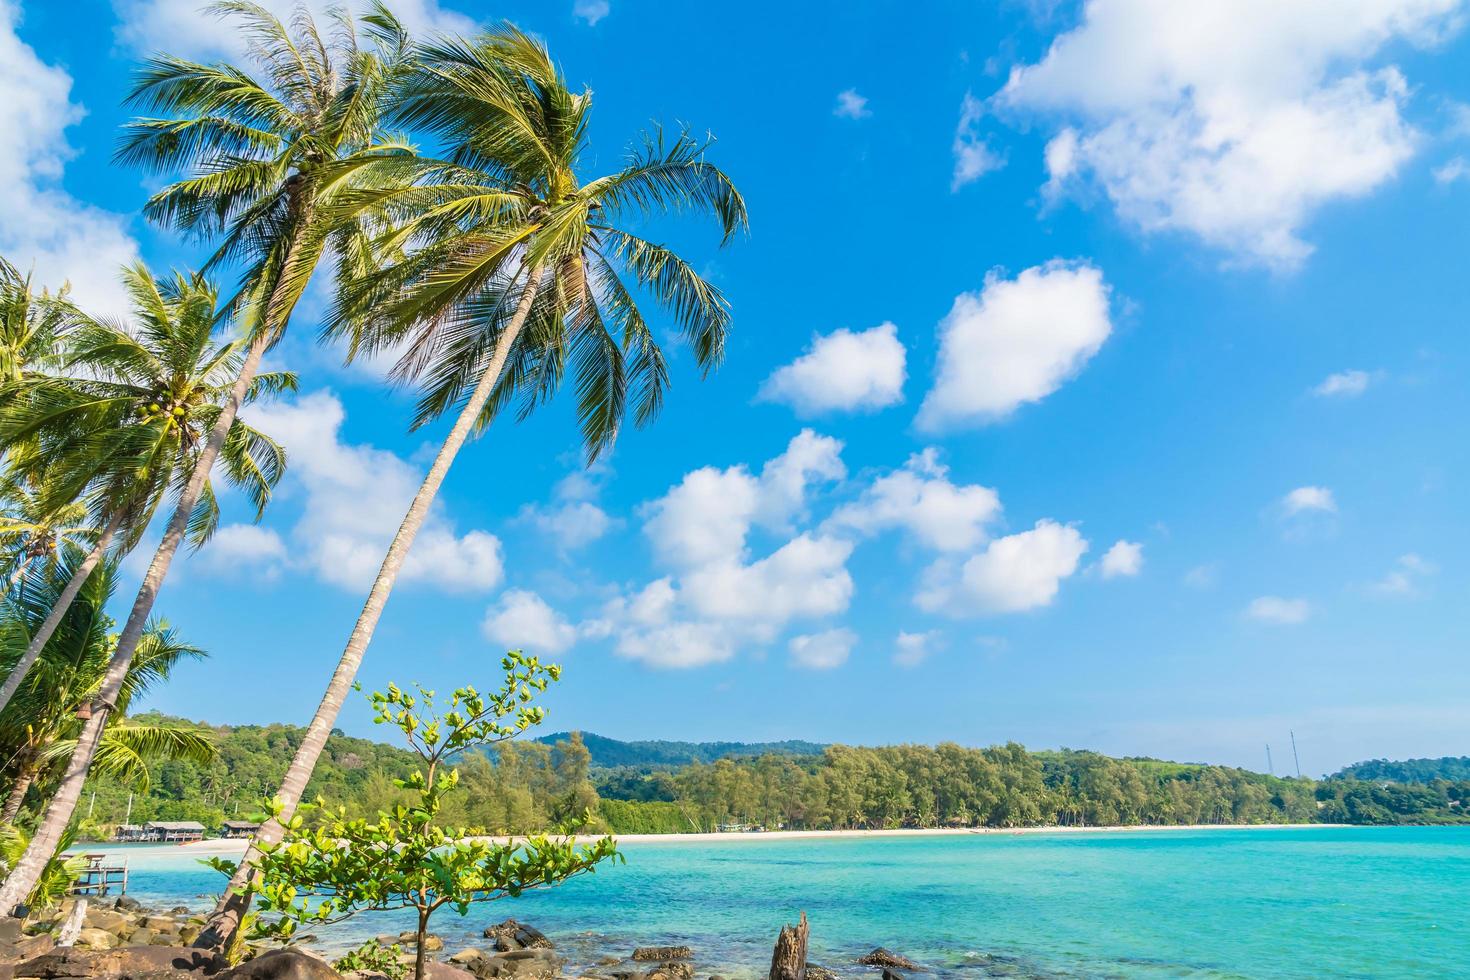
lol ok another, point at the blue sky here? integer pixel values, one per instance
(1096, 379)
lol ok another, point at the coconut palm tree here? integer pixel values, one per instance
(39, 727)
(121, 426)
(513, 268)
(134, 417)
(31, 326)
(35, 523)
(264, 156)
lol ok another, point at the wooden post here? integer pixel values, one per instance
(71, 929)
(788, 961)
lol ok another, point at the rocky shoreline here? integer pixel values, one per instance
(121, 940)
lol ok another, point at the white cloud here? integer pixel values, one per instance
(522, 620)
(1013, 574)
(1343, 384)
(1016, 342)
(719, 598)
(921, 499)
(1278, 611)
(573, 519)
(1308, 499)
(850, 105)
(707, 516)
(842, 371)
(244, 550)
(1233, 120)
(822, 651)
(1453, 169)
(1124, 558)
(591, 11)
(186, 28)
(43, 228)
(355, 496)
(1202, 576)
(973, 157)
(912, 649)
(1405, 578)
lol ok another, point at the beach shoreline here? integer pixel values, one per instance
(236, 846)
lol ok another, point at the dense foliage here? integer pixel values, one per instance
(1453, 768)
(526, 786)
(611, 753)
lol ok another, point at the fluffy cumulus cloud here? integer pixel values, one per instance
(522, 620)
(822, 651)
(187, 28)
(1343, 384)
(591, 11)
(1012, 574)
(1015, 342)
(1123, 559)
(1306, 500)
(1406, 578)
(973, 157)
(574, 518)
(1453, 169)
(851, 105)
(920, 499)
(43, 229)
(1233, 120)
(842, 371)
(718, 595)
(244, 550)
(1277, 611)
(354, 497)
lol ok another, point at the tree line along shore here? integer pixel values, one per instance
(525, 786)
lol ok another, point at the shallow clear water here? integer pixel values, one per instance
(1307, 902)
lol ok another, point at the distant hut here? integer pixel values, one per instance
(174, 831)
(239, 828)
(129, 833)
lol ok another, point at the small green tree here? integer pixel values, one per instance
(407, 858)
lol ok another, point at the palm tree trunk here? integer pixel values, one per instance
(42, 848)
(17, 795)
(235, 901)
(58, 611)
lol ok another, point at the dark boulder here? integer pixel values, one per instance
(815, 972)
(888, 958)
(126, 904)
(663, 953)
(283, 964)
(512, 935)
(891, 974)
(672, 971)
(526, 964)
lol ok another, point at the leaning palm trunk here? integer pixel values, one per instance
(23, 780)
(42, 848)
(58, 612)
(235, 901)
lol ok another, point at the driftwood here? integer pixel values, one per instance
(71, 929)
(788, 961)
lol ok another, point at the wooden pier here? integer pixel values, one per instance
(101, 879)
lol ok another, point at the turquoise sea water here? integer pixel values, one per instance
(1308, 902)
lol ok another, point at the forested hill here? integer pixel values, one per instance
(610, 753)
(1454, 768)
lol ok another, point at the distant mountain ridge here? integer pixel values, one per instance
(1454, 768)
(612, 753)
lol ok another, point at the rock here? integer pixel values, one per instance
(189, 933)
(108, 920)
(530, 964)
(511, 935)
(179, 910)
(672, 971)
(140, 962)
(283, 964)
(466, 956)
(887, 957)
(386, 940)
(432, 943)
(11, 929)
(434, 970)
(126, 904)
(160, 923)
(609, 960)
(663, 953)
(26, 947)
(891, 974)
(141, 936)
(91, 938)
(815, 972)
